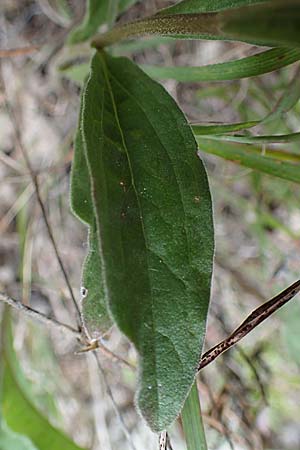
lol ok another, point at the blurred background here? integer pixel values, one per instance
(251, 395)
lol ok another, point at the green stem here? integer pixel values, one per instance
(179, 24)
(192, 421)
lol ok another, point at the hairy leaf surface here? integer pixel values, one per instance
(95, 315)
(154, 222)
(205, 6)
(277, 23)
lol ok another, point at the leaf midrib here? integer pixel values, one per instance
(171, 164)
(105, 71)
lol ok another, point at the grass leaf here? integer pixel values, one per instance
(274, 139)
(192, 421)
(250, 66)
(274, 163)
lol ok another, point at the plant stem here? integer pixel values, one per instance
(192, 421)
(179, 24)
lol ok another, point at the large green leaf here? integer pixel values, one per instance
(250, 66)
(20, 415)
(276, 23)
(154, 222)
(94, 309)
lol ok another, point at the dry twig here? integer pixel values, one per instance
(43, 318)
(12, 52)
(51, 322)
(253, 320)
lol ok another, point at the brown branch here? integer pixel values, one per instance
(11, 52)
(253, 320)
(95, 344)
(41, 317)
(164, 442)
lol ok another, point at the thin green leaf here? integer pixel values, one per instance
(205, 6)
(287, 101)
(95, 16)
(19, 413)
(95, 315)
(275, 139)
(97, 13)
(192, 421)
(154, 221)
(250, 66)
(75, 72)
(254, 158)
(219, 128)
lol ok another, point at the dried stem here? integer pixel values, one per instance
(37, 315)
(177, 24)
(12, 52)
(162, 440)
(253, 320)
(96, 344)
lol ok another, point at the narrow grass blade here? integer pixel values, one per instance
(275, 139)
(250, 66)
(288, 100)
(254, 158)
(192, 421)
(217, 129)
